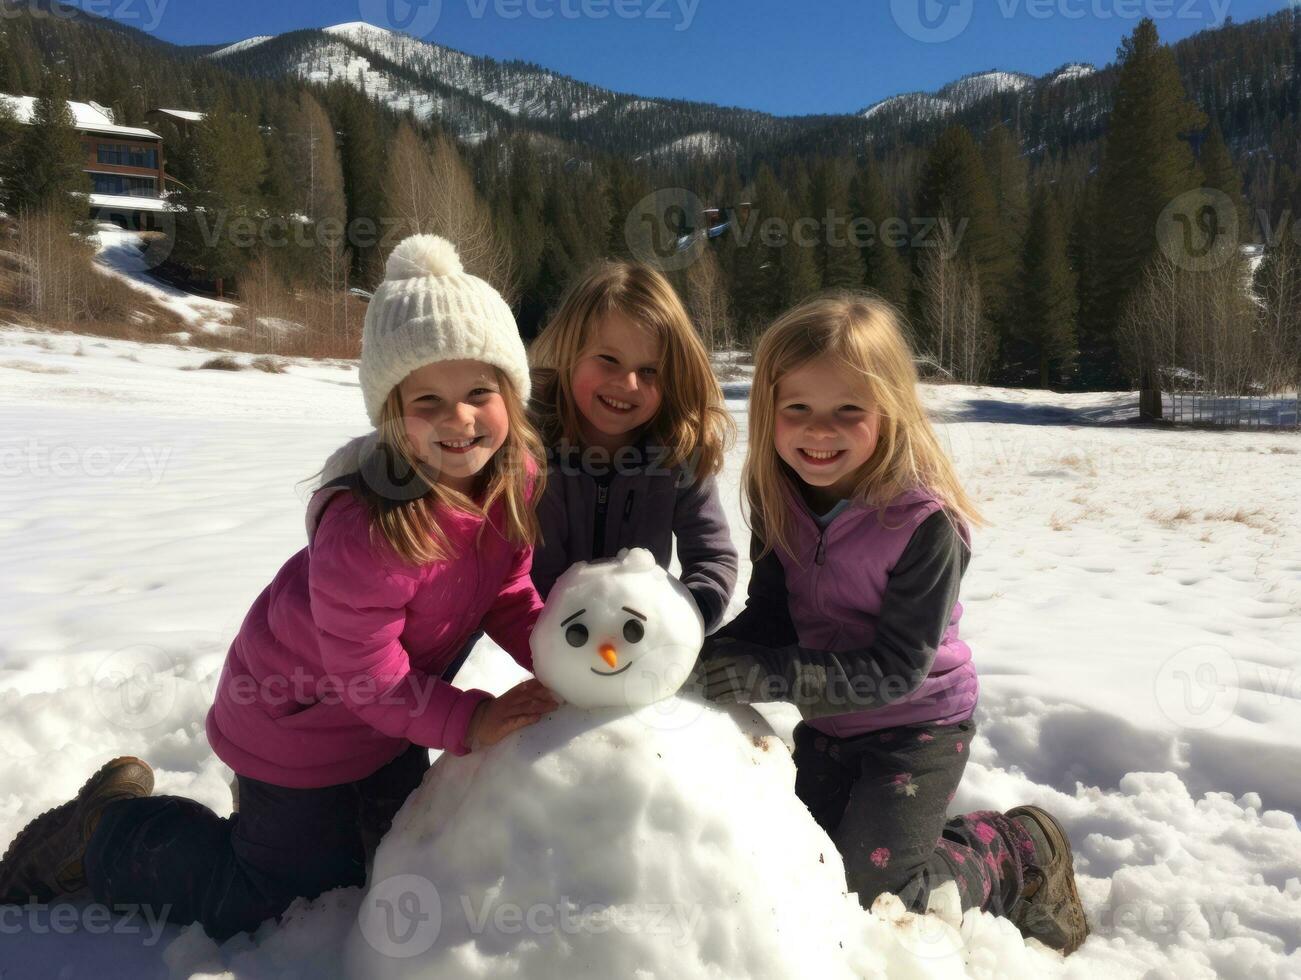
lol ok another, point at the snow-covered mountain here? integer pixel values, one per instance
(961, 94)
(429, 79)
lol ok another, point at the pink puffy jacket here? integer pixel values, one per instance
(335, 670)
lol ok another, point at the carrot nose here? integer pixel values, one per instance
(608, 655)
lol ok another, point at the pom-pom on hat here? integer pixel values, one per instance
(429, 309)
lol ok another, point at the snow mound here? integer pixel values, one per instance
(664, 842)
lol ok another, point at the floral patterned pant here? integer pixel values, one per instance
(882, 798)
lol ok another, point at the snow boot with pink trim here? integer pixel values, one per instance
(1049, 908)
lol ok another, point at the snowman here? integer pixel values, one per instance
(633, 832)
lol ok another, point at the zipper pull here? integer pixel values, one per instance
(627, 507)
(820, 556)
(602, 494)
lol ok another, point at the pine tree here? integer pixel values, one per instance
(838, 260)
(757, 274)
(47, 170)
(1047, 316)
(1146, 165)
(362, 147)
(886, 271)
(1010, 183)
(956, 191)
(528, 232)
(219, 228)
(1220, 173)
(8, 70)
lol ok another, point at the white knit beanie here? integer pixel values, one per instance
(429, 309)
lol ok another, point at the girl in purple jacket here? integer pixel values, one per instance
(635, 428)
(859, 545)
(336, 686)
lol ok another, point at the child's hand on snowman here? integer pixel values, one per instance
(495, 718)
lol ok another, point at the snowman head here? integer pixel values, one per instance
(619, 631)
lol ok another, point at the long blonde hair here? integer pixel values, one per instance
(864, 334)
(692, 422)
(408, 520)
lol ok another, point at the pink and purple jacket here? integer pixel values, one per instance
(336, 668)
(860, 620)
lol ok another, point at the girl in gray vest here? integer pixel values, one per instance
(859, 546)
(635, 426)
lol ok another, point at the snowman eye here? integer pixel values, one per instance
(576, 635)
(633, 631)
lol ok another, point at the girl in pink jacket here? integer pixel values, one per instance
(333, 691)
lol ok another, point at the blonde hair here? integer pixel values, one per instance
(692, 422)
(410, 526)
(863, 334)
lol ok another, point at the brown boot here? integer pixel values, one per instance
(45, 859)
(1049, 908)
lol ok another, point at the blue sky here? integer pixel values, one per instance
(781, 56)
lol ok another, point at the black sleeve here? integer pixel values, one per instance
(766, 618)
(705, 550)
(915, 612)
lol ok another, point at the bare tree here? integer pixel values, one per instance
(707, 299)
(1278, 284)
(1195, 331)
(430, 190)
(314, 156)
(957, 332)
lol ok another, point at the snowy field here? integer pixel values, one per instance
(1134, 610)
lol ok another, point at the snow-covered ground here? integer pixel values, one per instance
(119, 254)
(1135, 612)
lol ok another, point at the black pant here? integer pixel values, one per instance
(883, 796)
(231, 873)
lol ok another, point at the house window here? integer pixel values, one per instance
(124, 185)
(125, 155)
